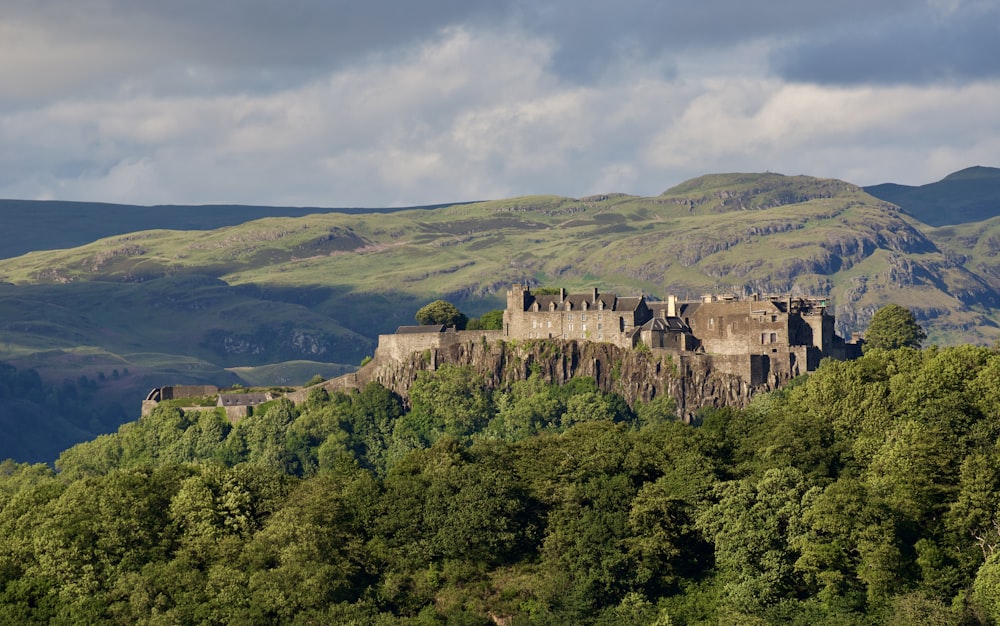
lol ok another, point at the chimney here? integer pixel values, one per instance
(595, 295)
(671, 306)
(562, 294)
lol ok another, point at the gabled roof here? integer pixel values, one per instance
(666, 324)
(630, 303)
(687, 308)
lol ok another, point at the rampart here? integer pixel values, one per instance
(397, 347)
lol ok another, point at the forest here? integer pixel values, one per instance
(867, 492)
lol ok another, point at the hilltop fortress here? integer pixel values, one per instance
(760, 339)
(714, 351)
(782, 334)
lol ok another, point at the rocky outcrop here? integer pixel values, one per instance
(694, 381)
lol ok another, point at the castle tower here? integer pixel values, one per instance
(516, 296)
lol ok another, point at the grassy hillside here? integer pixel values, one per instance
(47, 225)
(346, 278)
(183, 306)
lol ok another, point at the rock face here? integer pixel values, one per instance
(694, 381)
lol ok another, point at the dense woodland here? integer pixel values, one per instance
(865, 493)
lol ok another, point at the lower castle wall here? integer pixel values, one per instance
(401, 346)
(187, 391)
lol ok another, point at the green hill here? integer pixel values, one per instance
(46, 225)
(969, 195)
(179, 306)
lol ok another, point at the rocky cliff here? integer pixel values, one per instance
(694, 381)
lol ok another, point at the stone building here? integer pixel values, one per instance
(240, 405)
(753, 337)
(589, 316)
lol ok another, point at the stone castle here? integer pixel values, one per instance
(722, 349)
(768, 333)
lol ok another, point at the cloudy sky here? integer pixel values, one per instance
(407, 102)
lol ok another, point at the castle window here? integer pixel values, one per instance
(583, 317)
(532, 323)
(599, 327)
(550, 323)
(763, 338)
(774, 337)
(584, 328)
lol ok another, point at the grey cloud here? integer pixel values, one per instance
(921, 47)
(250, 31)
(237, 40)
(594, 36)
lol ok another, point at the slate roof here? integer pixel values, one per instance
(628, 304)
(243, 399)
(687, 308)
(666, 324)
(576, 300)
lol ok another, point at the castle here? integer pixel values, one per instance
(763, 340)
(793, 334)
(759, 342)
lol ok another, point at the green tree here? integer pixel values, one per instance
(893, 327)
(491, 320)
(753, 527)
(442, 312)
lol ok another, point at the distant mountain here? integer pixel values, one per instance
(48, 225)
(969, 195)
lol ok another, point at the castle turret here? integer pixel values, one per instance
(516, 297)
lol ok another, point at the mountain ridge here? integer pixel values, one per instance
(198, 305)
(968, 195)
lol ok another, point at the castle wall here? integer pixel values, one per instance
(401, 346)
(742, 327)
(187, 391)
(614, 327)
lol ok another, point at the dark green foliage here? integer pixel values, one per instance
(39, 420)
(491, 320)
(893, 327)
(866, 493)
(441, 312)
